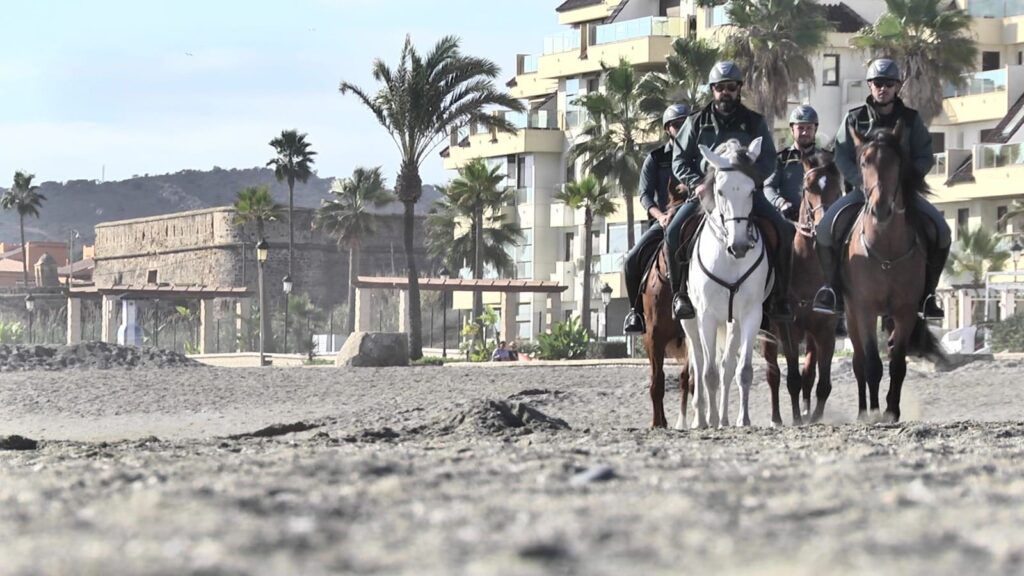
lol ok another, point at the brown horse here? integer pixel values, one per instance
(882, 267)
(664, 336)
(823, 185)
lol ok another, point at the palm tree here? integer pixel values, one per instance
(976, 253)
(932, 42)
(349, 218)
(476, 191)
(594, 198)
(612, 148)
(773, 41)
(26, 199)
(1016, 209)
(453, 244)
(683, 82)
(255, 204)
(293, 163)
(419, 104)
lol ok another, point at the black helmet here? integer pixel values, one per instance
(725, 71)
(673, 113)
(803, 114)
(884, 68)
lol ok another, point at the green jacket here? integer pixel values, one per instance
(711, 129)
(786, 183)
(916, 140)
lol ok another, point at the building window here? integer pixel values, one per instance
(572, 110)
(1001, 219)
(151, 276)
(989, 61)
(830, 70)
(938, 142)
(1020, 58)
(570, 171)
(524, 255)
(963, 216)
(570, 237)
(618, 243)
(593, 84)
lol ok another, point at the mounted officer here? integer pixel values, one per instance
(884, 109)
(785, 188)
(656, 183)
(723, 119)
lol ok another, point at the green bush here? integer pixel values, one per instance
(1008, 335)
(606, 350)
(566, 341)
(11, 333)
(428, 361)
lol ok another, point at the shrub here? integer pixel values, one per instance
(1008, 335)
(566, 341)
(428, 361)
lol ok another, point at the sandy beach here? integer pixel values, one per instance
(498, 470)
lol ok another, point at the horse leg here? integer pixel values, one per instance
(770, 351)
(745, 377)
(808, 373)
(825, 346)
(709, 341)
(730, 359)
(901, 331)
(791, 347)
(685, 382)
(854, 329)
(872, 364)
(697, 360)
(656, 359)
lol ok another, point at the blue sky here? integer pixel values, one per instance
(158, 86)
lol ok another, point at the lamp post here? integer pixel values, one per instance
(606, 297)
(30, 305)
(286, 286)
(444, 274)
(1015, 252)
(72, 234)
(262, 251)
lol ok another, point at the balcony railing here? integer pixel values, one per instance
(978, 83)
(611, 263)
(718, 16)
(530, 64)
(995, 8)
(563, 42)
(524, 196)
(939, 169)
(540, 119)
(638, 28)
(998, 155)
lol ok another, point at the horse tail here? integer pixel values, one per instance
(924, 344)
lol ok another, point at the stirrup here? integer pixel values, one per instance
(634, 323)
(820, 305)
(932, 312)
(682, 307)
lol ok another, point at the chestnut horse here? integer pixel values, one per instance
(664, 335)
(822, 185)
(882, 267)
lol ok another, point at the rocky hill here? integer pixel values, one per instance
(81, 204)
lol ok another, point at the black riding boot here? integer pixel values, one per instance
(682, 308)
(634, 322)
(828, 299)
(930, 308)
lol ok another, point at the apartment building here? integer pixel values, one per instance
(977, 139)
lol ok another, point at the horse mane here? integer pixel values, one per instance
(821, 158)
(913, 184)
(739, 160)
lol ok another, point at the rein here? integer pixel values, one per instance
(732, 287)
(808, 228)
(885, 263)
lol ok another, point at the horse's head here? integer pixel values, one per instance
(823, 185)
(883, 168)
(731, 199)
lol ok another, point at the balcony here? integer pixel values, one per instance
(985, 96)
(997, 156)
(600, 11)
(539, 119)
(567, 41)
(646, 50)
(498, 144)
(611, 263)
(939, 169)
(562, 216)
(979, 83)
(638, 28)
(995, 8)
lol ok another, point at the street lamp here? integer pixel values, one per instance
(606, 297)
(445, 274)
(286, 285)
(1015, 252)
(30, 305)
(262, 251)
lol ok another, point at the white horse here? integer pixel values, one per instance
(729, 275)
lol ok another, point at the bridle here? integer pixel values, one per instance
(809, 225)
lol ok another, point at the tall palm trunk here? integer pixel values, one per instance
(353, 270)
(24, 248)
(627, 195)
(478, 260)
(291, 224)
(588, 253)
(410, 188)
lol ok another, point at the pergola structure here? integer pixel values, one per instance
(508, 313)
(113, 294)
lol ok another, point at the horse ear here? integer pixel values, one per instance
(754, 150)
(713, 158)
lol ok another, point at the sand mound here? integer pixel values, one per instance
(100, 355)
(500, 417)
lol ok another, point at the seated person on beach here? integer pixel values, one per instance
(500, 353)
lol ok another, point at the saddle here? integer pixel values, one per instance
(842, 226)
(648, 258)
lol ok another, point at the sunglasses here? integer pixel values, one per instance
(726, 87)
(677, 124)
(884, 83)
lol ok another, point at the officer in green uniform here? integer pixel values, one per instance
(883, 109)
(785, 188)
(723, 119)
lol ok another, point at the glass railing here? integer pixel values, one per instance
(524, 270)
(939, 169)
(978, 83)
(530, 64)
(564, 42)
(638, 28)
(611, 263)
(998, 155)
(719, 16)
(536, 119)
(524, 196)
(995, 8)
